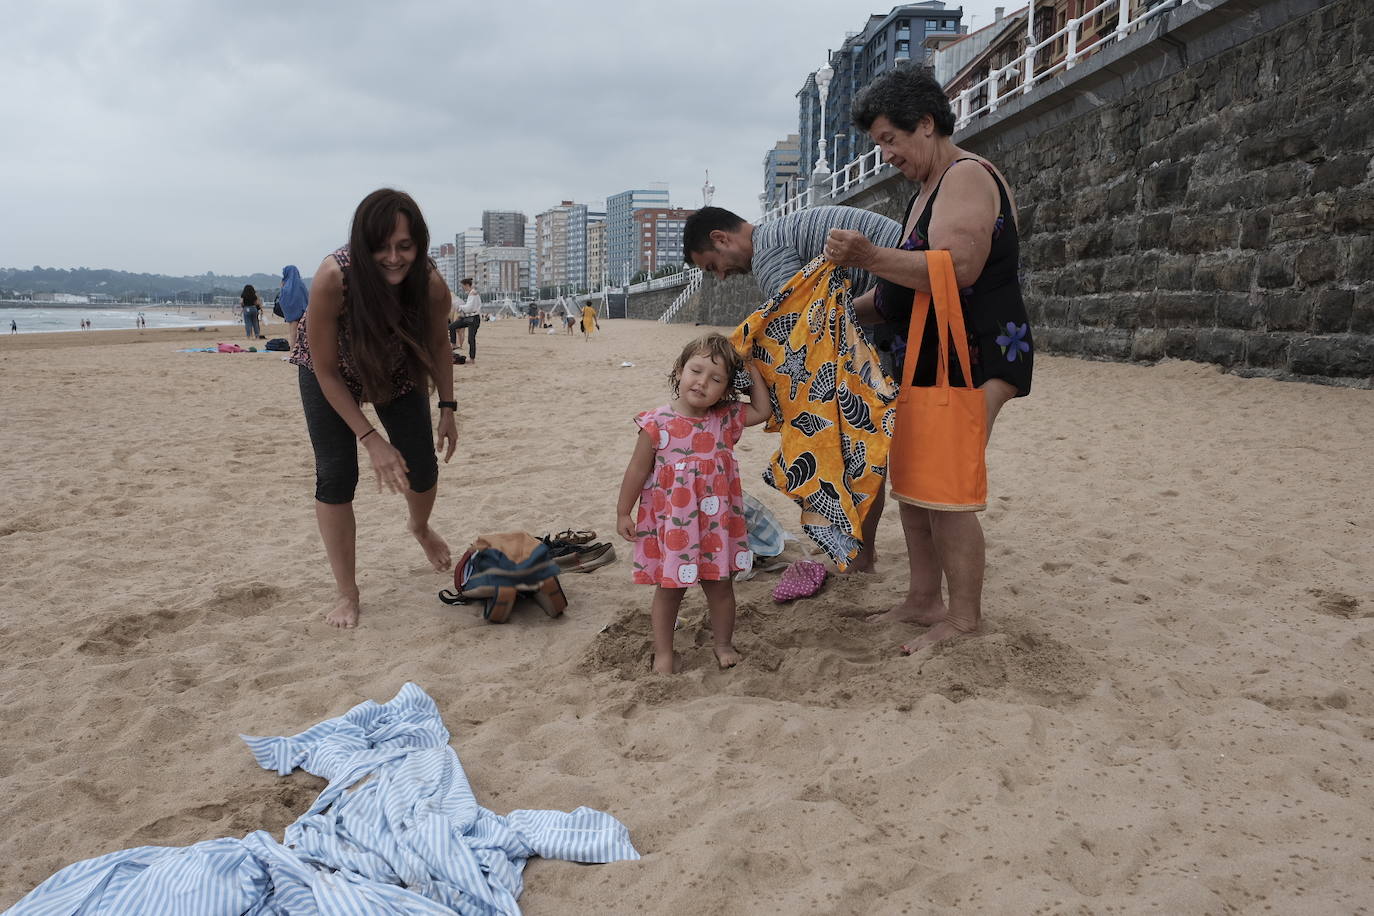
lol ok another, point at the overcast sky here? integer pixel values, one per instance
(180, 137)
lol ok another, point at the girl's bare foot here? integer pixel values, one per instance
(436, 548)
(727, 656)
(923, 614)
(345, 612)
(665, 663)
(948, 628)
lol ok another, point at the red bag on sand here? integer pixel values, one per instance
(800, 580)
(941, 433)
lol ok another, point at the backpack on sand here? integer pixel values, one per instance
(499, 568)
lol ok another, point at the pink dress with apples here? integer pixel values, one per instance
(690, 526)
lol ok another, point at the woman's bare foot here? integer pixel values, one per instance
(344, 614)
(665, 663)
(922, 614)
(945, 629)
(436, 548)
(727, 656)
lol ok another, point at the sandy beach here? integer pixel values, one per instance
(1170, 711)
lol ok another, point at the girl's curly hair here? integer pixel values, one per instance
(718, 350)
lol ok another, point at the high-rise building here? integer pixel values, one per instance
(472, 246)
(503, 228)
(623, 244)
(503, 270)
(781, 166)
(532, 245)
(888, 40)
(659, 234)
(446, 261)
(596, 254)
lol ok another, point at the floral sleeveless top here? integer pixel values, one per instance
(400, 380)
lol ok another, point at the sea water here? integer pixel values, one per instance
(45, 318)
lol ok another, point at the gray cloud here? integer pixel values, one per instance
(236, 137)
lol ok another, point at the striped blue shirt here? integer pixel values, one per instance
(785, 245)
(408, 838)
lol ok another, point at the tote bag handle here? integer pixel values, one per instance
(949, 320)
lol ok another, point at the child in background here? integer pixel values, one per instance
(690, 526)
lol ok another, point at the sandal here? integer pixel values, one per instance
(571, 536)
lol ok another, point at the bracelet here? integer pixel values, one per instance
(451, 405)
(370, 431)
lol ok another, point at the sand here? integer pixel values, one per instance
(1170, 712)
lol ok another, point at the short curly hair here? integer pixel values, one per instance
(719, 350)
(904, 96)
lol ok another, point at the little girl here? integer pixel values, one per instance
(690, 526)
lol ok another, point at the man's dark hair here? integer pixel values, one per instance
(696, 233)
(904, 96)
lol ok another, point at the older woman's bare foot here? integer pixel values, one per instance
(948, 628)
(436, 548)
(727, 657)
(345, 612)
(907, 611)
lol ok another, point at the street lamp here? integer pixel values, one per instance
(821, 170)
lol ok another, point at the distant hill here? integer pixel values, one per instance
(124, 285)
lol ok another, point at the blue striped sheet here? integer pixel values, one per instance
(785, 245)
(409, 839)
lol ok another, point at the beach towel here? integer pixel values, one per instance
(397, 831)
(831, 403)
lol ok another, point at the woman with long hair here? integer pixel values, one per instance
(375, 331)
(251, 304)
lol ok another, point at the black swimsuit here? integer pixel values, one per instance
(999, 334)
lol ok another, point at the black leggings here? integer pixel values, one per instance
(406, 421)
(473, 323)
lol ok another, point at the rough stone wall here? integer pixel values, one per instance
(1223, 214)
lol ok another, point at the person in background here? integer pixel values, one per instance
(532, 313)
(374, 331)
(292, 299)
(251, 304)
(589, 322)
(470, 316)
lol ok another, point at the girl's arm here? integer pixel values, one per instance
(760, 406)
(866, 309)
(440, 300)
(641, 464)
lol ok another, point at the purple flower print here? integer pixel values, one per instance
(1013, 343)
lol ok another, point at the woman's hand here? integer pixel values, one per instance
(625, 526)
(448, 433)
(848, 248)
(387, 464)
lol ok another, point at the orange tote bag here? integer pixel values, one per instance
(938, 441)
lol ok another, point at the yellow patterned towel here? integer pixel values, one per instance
(831, 402)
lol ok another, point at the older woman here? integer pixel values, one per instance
(965, 207)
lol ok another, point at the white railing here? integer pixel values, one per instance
(1022, 72)
(1017, 76)
(693, 275)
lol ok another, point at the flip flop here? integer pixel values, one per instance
(571, 536)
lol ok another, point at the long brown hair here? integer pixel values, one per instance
(383, 318)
